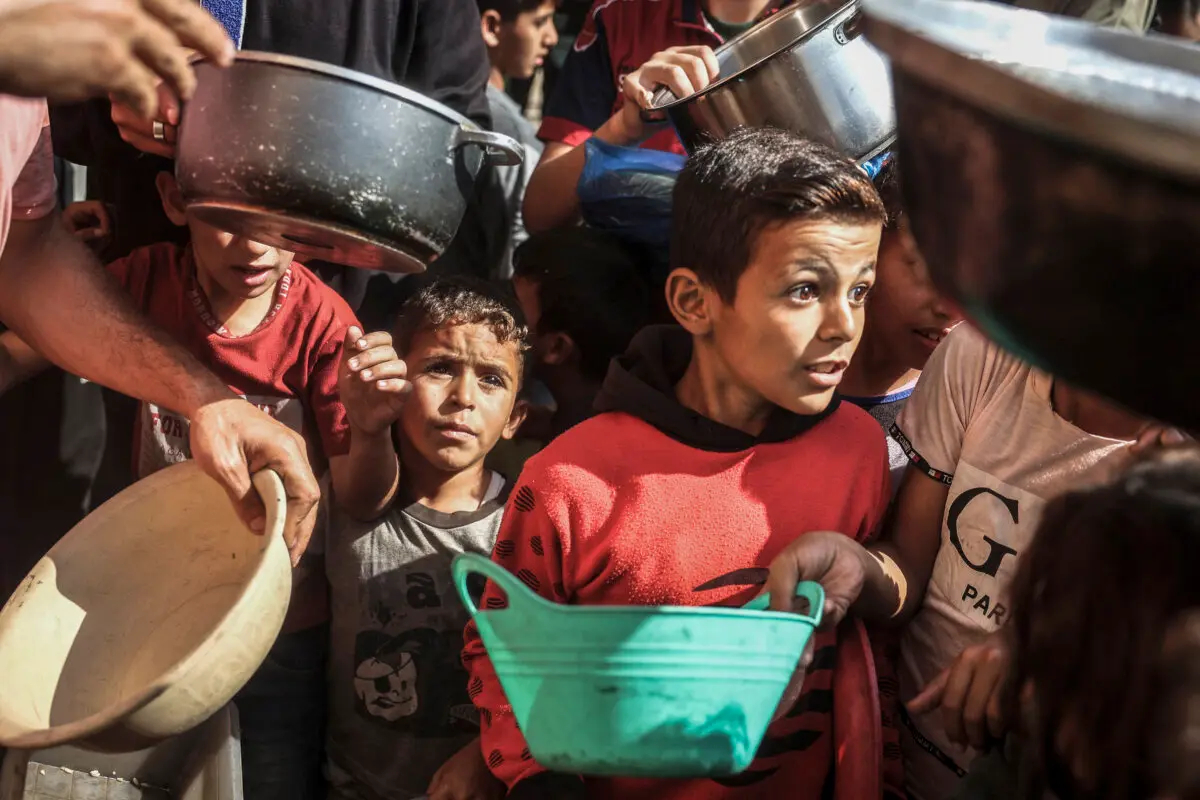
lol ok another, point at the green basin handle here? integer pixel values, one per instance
(467, 564)
(811, 591)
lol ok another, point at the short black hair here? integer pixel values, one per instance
(729, 191)
(510, 9)
(461, 300)
(887, 183)
(589, 287)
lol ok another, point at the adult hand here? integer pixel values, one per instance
(70, 50)
(832, 559)
(231, 439)
(157, 134)
(465, 777)
(970, 693)
(372, 381)
(683, 70)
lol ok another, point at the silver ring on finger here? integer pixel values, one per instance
(160, 132)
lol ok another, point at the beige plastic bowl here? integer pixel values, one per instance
(145, 619)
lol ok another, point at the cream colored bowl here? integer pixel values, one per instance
(145, 619)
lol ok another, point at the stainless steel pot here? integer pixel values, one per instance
(328, 162)
(1051, 173)
(807, 69)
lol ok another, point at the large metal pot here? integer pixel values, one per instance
(807, 69)
(1051, 172)
(328, 162)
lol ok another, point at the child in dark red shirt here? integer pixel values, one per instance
(721, 442)
(275, 333)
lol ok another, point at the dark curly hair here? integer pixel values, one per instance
(733, 189)
(461, 300)
(887, 183)
(1107, 577)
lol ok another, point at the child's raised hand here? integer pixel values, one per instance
(684, 70)
(970, 693)
(372, 381)
(465, 777)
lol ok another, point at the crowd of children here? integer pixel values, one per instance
(1008, 560)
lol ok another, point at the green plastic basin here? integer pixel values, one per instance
(639, 691)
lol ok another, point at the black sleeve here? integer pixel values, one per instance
(549, 786)
(449, 61)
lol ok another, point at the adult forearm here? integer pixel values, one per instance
(56, 295)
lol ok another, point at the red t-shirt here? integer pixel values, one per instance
(618, 37)
(287, 366)
(616, 512)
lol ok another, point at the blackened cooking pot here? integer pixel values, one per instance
(807, 69)
(330, 163)
(1051, 173)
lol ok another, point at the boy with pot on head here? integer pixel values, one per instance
(274, 333)
(441, 393)
(774, 250)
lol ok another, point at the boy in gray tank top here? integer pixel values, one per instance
(424, 412)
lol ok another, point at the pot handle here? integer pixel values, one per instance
(851, 29)
(498, 150)
(468, 564)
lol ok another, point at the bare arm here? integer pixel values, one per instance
(57, 297)
(372, 384)
(18, 361)
(883, 583)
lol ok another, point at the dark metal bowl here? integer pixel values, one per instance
(1051, 170)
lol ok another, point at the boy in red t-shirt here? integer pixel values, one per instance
(719, 443)
(275, 334)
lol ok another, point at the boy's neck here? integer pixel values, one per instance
(873, 372)
(574, 396)
(735, 12)
(709, 389)
(446, 492)
(239, 315)
(496, 78)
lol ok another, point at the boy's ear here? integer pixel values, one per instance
(489, 26)
(519, 412)
(172, 200)
(557, 348)
(690, 301)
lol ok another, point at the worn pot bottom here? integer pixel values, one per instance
(311, 238)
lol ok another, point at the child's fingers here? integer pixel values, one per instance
(371, 358)
(396, 386)
(353, 336)
(987, 676)
(386, 370)
(931, 696)
(954, 701)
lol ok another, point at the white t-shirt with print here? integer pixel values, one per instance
(981, 421)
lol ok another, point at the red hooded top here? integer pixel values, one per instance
(651, 503)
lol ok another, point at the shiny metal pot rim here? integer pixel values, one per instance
(823, 14)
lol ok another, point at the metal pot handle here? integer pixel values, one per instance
(498, 150)
(851, 29)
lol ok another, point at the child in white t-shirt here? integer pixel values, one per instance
(991, 440)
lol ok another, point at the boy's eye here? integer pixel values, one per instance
(859, 293)
(493, 380)
(805, 292)
(439, 368)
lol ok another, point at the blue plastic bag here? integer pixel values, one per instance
(626, 191)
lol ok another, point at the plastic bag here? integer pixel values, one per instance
(626, 191)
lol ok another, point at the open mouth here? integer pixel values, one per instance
(932, 335)
(826, 374)
(454, 431)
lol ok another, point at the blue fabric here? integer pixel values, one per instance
(231, 14)
(873, 167)
(626, 191)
